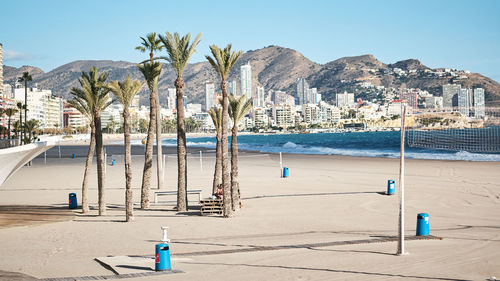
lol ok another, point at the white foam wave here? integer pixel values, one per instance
(291, 147)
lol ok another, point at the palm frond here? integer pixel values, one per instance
(239, 107)
(179, 49)
(151, 72)
(125, 91)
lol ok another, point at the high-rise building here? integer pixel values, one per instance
(345, 99)
(1, 70)
(464, 102)
(302, 91)
(259, 97)
(171, 98)
(433, 102)
(479, 105)
(260, 119)
(284, 115)
(311, 113)
(411, 97)
(209, 95)
(73, 118)
(53, 112)
(450, 95)
(246, 80)
(232, 88)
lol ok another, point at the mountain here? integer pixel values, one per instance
(276, 68)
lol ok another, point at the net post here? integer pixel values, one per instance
(401, 236)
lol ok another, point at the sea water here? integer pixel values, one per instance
(364, 144)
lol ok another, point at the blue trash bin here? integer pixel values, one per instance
(74, 155)
(73, 204)
(285, 172)
(390, 187)
(113, 162)
(422, 224)
(162, 257)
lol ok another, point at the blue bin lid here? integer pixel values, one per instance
(422, 215)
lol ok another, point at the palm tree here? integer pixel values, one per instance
(10, 112)
(30, 127)
(222, 62)
(83, 106)
(17, 128)
(179, 51)
(151, 72)
(216, 115)
(21, 107)
(153, 44)
(95, 93)
(125, 92)
(25, 78)
(239, 107)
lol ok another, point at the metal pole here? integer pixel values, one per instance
(164, 166)
(105, 161)
(281, 165)
(401, 238)
(201, 161)
(59, 151)
(45, 157)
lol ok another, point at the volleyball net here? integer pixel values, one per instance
(478, 131)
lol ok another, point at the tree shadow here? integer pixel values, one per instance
(308, 194)
(363, 273)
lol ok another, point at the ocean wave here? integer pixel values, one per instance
(291, 147)
(374, 145)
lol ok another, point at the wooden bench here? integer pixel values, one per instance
(211, 207)
(164, 193)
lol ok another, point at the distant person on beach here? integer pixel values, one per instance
(220, 191)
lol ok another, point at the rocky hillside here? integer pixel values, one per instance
(275, 68)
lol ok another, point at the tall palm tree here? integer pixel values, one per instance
(10, 112)
(152, 44)
(25, 78)
(238, 107)
(151, 72)
(223, 61)
(94, 91)
(179, 51)
(216, 115)
(125, 92)
(83, 106)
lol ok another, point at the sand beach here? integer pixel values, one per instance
(296, 228)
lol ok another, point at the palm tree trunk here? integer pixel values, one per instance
(218, 164)
(21, 125)
(182, 203)
(129, 208)
(148, 157)
(235, 185)
(88, 164)
(8, 131)
(226, 181)
(100, 164)
(159, 157)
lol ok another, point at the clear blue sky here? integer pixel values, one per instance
(456, 34)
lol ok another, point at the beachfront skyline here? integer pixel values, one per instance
(462, 35)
